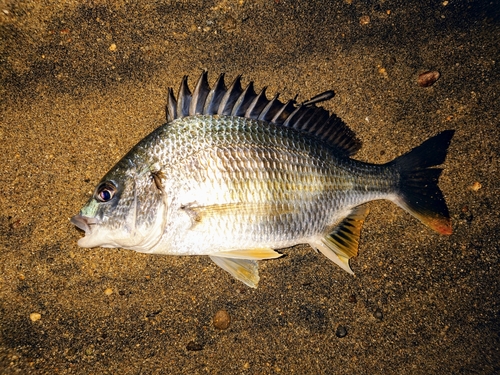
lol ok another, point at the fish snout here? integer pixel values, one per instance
(83, 222)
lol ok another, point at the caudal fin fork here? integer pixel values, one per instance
(418, 190)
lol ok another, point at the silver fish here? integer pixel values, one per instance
(233, 175)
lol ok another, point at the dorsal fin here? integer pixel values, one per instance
(236, 101)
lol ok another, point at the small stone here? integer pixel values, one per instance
(108, 291)
(428, 78)
(378, 314)
(222, 320)
(382, 71)
(112, 47)
(35, 316)
(194, 347)
(352, 298)
(364, 20)
(230, 24)
(476, 186)
(341, 331)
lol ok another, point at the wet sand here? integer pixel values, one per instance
(81, 84)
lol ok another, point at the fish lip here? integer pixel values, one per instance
(83, 222)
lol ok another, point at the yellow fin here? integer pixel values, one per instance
(247, 271)
(342, 244)
(251, 254)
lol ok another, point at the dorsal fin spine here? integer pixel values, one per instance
(214, 97)
(284, 112)
(183, 98)
(257, 104)
(199, 95)
(324, 96)
(244, 101)
(230, 97)
(267, 112)
(291, 118)
(171, 105)
(297, 123)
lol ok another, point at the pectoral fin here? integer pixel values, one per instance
(342, 244)
(245, 270)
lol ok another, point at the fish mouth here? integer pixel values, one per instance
(83, 222)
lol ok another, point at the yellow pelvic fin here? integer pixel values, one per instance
(245, 270)
(342, 244)
(251, 254)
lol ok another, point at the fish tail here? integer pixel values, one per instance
(418, 191)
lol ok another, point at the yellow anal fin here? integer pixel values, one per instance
(245, 270)
(250, 254)
(342, 244)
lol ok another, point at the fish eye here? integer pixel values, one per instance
(105, 191)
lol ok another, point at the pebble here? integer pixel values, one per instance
(35, 316)
(222, 320)
(378, 314)
(383, 71)
(364, 20)
(89, 351)
(476, 186)
(428, 78)
(194, 347)
(108, 291)
(341, 331)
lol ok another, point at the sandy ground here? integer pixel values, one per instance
(82, 83)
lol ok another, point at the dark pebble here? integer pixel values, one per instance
(428, 78)
(378, 314)
(341, 331)
(153, 313)
(353, 298)
(194, 347)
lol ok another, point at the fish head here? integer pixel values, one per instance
(127, 210)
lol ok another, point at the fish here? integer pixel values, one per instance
(236, 176)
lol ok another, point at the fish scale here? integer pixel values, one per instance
(237, 187)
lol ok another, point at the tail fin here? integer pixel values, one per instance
(419, 193)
